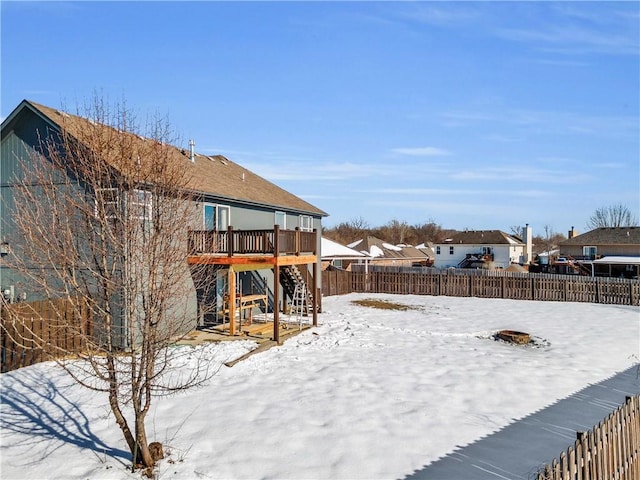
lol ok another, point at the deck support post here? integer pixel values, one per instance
(315, 293)
(232, 300)
(276, 304)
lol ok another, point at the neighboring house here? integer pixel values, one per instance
(336, 255)
(428, 249)
(488, 249)
(606, 251)
(386, 254)
(231, 199)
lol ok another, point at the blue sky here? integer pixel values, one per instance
(478, 115)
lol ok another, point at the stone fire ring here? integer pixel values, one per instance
(519, 338)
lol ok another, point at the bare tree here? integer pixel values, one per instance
(396, 232)
(617, 215)
(101, 217)
(429, 232)
(516, 230)
(347, 232)
(549, 240)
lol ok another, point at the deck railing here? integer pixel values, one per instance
(274, 242)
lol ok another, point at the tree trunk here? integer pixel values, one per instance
(142, 454)
(121, 421)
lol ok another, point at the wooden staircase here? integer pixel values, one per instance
(295, 285)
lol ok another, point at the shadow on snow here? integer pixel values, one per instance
(34, 406)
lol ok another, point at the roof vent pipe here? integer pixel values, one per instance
(192, 152)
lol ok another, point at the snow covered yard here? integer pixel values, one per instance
(370, 393)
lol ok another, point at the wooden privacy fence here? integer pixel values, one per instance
(38, 331)
(478, 283)
(611, 450)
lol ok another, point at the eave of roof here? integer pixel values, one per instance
(212, 175)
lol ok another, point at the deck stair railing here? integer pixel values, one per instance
(291, 278)
(475, 257)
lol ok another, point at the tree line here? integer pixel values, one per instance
(401, 232)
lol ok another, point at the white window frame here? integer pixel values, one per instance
(451, 250)
(278, 215)
(587, 249)
(306, 223)
(216, 215)
(219, 208)
(437, 249)
(142, 202)
(99, 197)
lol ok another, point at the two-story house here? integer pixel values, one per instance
(488, 249)
(242, 223)
(606, 251)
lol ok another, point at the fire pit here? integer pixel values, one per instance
(512, 336)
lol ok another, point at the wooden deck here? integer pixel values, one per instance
(246, 247)
(243, 250)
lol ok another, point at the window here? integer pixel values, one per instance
(280, 220)
(306, 223)
(216, 217)
(451, 250)
(488, 250)
(209, 219)
(140, 204)
(589, 252)
(107, 200)
(438, 250)
(223, 217)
